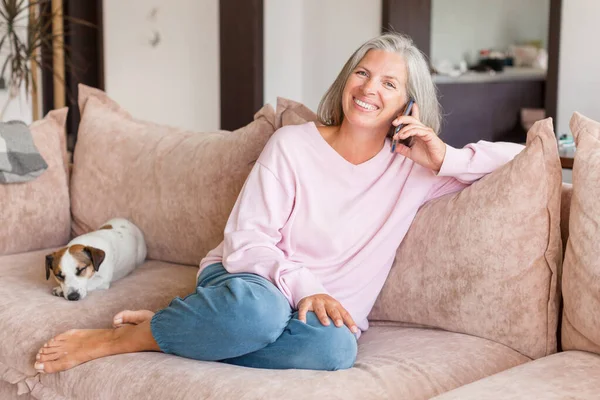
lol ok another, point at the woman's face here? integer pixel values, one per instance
(375, 92)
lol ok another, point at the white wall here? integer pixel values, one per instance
(176, 82)
(579, 64)
(460, 27)
(283, 52)
(307, 43)
(19, 108)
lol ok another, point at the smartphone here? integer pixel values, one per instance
(406, 142)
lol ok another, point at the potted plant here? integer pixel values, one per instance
(26, 26)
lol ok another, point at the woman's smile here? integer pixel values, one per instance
(365, 105)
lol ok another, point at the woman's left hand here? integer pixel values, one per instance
(427, 149)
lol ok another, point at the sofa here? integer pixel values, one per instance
(494, 291)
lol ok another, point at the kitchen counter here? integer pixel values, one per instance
(510, 74)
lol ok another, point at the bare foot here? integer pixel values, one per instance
(131, 317)
(78, 346)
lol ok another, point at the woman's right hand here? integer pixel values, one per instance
(325, 307)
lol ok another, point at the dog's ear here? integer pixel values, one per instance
(96, 255)
(49, 261)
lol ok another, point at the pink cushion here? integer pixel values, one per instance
(485, 261)
(290, 112)
(177, 186)
(566, 375)
(581, 270)
(36, 214)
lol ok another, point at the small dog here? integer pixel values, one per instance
(118, 247)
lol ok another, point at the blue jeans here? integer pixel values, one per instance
(243, 319)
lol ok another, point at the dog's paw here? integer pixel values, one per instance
(57, 291)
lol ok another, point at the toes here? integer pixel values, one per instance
(41, 358)
(118, 319)
(51, 343)
(49, 367)
(131, 317)
(39, 367)
(48, 350)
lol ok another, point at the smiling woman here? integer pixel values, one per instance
(301, 262)
(371, 93)
(407, 68)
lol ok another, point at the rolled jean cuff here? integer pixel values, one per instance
(156, 328)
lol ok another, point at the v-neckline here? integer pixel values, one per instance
(365, 166)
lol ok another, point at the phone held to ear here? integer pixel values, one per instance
(406, 142)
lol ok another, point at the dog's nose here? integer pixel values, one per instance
(73, 296)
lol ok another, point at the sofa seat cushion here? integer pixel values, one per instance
(568, 375)
(393, 363)
(30, 314)
(9, 392)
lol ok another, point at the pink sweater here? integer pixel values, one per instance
(311, 222)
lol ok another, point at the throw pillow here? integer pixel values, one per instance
(485, 261)
(35, 214)
(581, 269)
(178, 186)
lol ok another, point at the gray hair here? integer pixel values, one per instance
(419, 84)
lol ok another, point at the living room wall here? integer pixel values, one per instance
(579, 64)
(162, 60)
(307, 43)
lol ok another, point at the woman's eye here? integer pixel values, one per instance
(391, 85)
(361, 73)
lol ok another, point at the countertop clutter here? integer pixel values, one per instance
(508, 74)
(519, 62)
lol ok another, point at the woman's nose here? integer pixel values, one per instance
(368, 86)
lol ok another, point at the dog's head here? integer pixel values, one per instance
(72, 267)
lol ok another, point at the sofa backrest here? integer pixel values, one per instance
(178, 186)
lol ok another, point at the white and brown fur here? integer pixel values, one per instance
(94, 260)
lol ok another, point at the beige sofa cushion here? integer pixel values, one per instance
(177, 186)
(290, 112)
(393, 363)
(581, 276)
(568, 375)
(484, 261)
(36, 214)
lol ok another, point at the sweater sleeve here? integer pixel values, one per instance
(254, 230)
(462, 167)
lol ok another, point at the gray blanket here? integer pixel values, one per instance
(20, 161)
